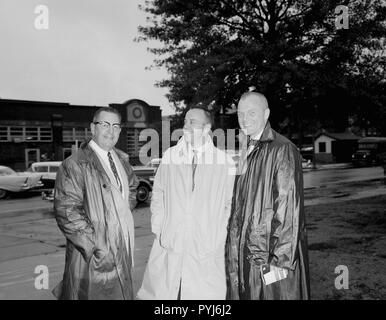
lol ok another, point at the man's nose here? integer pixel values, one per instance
(110, 129)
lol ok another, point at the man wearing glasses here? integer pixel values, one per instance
(190, 208)
(95, 192)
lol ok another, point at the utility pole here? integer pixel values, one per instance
(313, 152)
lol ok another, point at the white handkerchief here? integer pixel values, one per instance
(271, 274)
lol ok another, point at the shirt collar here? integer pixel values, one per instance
(199, 150)
(186, 149)
(257, 136)
(98, 149)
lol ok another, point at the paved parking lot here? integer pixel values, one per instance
(30, 237)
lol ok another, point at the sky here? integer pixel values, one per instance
(87, 56)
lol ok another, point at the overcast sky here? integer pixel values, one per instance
(87, 56)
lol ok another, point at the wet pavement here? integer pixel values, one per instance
(318, 178)
(29, 236)
(29, 239)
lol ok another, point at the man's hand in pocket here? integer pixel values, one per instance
(104, 260)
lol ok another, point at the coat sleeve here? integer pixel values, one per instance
(232, 256)
(288, 208)
(230, 181)
(157, 206)
(69, 209)
(133, 185)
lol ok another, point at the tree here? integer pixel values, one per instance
(289, 50)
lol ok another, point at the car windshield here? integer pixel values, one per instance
(41, 168)
(5, 171)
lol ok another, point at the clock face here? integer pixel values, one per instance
(137, 112)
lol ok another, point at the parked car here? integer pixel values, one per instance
(145, 176)
(154, 163)
(307, 152)
(12, 181)
(48, 169)
(369, 151)
(307, 164)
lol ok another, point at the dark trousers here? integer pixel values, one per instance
(179, 292)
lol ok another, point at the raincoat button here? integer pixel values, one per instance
(104, 186)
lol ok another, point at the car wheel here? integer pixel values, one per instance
(143, 193)
(3, 194)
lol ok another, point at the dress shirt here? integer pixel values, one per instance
(103, 155)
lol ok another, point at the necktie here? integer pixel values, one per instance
(114, 169)
(251, 144)
(194, 166)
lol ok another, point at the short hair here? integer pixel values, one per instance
(257, 95)
(106, 109)
(207, 113)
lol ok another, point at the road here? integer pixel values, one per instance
(29, 236)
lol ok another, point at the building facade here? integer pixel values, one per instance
(335, 147)
(33, 131)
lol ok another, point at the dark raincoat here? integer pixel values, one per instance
(84, 211)
(267, 223)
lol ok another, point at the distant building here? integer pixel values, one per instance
(335, 147)
(33, 131)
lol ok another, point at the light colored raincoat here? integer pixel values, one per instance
(190, 226)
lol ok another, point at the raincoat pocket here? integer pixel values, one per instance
(98, 274)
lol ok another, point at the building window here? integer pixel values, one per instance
(45, 134)
(31, 134)
(68, 134)
(322, 147)
(25, 134)
(17, 134)
(4, 134)
(72, 134)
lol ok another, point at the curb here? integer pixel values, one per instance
(348, 166)
(346, 182)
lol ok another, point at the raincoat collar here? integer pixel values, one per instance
(268, 134)
(86, 154)
(186, 151)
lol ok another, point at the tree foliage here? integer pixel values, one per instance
(292, 51)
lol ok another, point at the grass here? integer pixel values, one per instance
(353, 234)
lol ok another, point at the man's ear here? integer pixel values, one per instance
(266, 114)
(206, 129)
(92, 128)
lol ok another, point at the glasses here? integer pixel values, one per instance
(106, 125)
